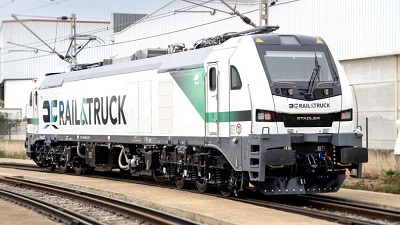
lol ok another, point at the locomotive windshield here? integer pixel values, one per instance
(292, 66)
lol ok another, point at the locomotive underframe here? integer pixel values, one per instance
(272, 164)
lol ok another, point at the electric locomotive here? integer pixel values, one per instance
(251, 110)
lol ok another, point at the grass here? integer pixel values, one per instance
(13, 155)
(388, 182)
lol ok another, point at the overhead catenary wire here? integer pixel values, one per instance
(145, 19)
(138, 39)
(38, 7)
(142, 38)
(203, 5)
(9, 2)
(36, 49)
(53, 50)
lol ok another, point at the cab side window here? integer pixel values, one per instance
(30, 99)
(236, 83)
(213, 79)
(36, 96)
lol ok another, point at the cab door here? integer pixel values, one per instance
(212, 110)
(32, 121)
(32, 113)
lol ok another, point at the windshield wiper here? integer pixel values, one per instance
(314, 77)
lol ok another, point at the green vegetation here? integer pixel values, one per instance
(4, 118)
(8, 124)
(13, 155)
(392, 181)
(388, 182)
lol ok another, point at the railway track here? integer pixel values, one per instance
(58, 214)
(325, 208)
(341, 205)
(330, 209)
(21, 166)
(122, 212)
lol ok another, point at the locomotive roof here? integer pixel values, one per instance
(276, 39)
(173, 62)
(166, 63)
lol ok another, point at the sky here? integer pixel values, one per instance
(98, 10)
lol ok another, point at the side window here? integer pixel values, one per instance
(36, 98)
(212, 79)
(30, 99)
(236, 83)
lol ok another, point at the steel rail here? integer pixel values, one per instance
(20, 166)
(352, 207)
(323, 215)
(114, 205)
(53, 211)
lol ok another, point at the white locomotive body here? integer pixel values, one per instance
(265, 111)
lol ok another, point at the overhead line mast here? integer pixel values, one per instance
(73, 50)
(34, 34)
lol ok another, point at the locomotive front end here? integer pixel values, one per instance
(308, 140)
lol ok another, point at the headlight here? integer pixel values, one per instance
(345, 115)
(265, 116)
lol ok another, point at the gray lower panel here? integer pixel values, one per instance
(342, 139)
(254, 154)
(347, 139)
(144, 140)
(353, 155)
(272, 141)
(231, 148)
(243, 153)
(256, 147)
(296, 185)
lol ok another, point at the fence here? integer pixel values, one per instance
(12, 126)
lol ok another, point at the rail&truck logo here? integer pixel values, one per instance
(309, 106)
(88, 111)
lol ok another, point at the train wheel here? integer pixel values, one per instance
(64, 167)
(226, 192)
(79, 169)
(51, 167)
(201, 185)
(180, 183)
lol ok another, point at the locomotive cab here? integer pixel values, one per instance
(302, 136)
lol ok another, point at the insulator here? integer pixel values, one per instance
(247, 20)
